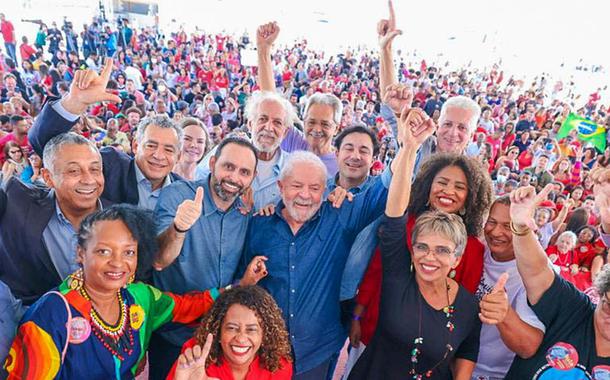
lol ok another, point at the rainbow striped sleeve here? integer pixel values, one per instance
(33, 355)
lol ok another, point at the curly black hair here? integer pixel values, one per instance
(275, 344)
(480, 193)
(139, 222)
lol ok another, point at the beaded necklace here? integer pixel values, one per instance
(112, 337)
(449, 311)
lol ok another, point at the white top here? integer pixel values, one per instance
(494, 357)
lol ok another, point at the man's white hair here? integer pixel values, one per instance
(302, 157)
(258, 97)
(465, 103)
(327, 100)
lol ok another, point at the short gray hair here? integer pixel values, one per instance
(253, 104)
(161, 121)
(450, 226)
(465, 103)
(569, 234)
(56, 143)
(327, 100)
(302, 157)
(602, 281)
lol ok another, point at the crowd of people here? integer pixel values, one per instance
(167, 210)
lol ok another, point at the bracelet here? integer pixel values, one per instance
(233, 285)
(179, 230)
(516, 232)
(356, 317)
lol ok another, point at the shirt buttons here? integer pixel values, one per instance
(292, 290)
(292, 243)
(291, 315)
(292, 336)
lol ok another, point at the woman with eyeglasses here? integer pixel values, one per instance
(16, 161)
(428, 324)
(576, 342)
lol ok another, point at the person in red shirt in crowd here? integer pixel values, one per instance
(27, 51)
(508, 136)
(495, 140)
(566, 173)
(242, 337)
(8, 34)
(20, 126)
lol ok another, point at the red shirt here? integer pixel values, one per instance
(25, 144)
(223, 371)
(26, 51)
(8, 32)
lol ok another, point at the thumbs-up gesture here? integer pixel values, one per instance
(191, 363)
(494, 306)
(89, 87)
(524, 201)
(189, 211)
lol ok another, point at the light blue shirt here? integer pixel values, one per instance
(11, 311)
(147, 197)
(363, 247)
(211, 250)
(60, 239)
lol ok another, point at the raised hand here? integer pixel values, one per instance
(88, 88)
(494, 306)
(266, 35)
(189, 211)
(255, 271)
(398, 97)
(524, 201)
(414, 127)
(386, 28)
(601, 191)
(191, 363)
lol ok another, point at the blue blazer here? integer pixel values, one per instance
(119, 168)
(26, 266)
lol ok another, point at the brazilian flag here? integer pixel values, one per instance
(588, 131)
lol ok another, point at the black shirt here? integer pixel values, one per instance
(388, 356)
(568, 347)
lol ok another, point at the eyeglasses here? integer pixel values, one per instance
(422, 249)
(14, 151)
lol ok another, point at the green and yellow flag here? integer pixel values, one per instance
(588, 131)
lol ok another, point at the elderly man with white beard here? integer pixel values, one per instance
(310, 246)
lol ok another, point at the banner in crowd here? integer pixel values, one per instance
(588, 131)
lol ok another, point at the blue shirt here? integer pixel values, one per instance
(305, 270)
(61, 240)
(11, 311)
(362, 250)
(147, 197)
(212, 247)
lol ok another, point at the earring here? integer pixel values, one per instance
(462, 211)
(452, 273)
(77, 279)
(411, 267)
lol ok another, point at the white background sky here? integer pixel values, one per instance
(531, 36)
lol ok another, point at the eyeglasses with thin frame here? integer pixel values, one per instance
(422, 249)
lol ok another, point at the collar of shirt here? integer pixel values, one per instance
(142, 180)
(60, 215)
(209, 206)
(332, 183)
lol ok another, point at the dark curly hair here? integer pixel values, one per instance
(478, 200)
(275, 344)
(139, 222)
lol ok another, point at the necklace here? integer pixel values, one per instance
(449, 311)
(112, 337)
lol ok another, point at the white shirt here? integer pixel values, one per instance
(494, 357)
